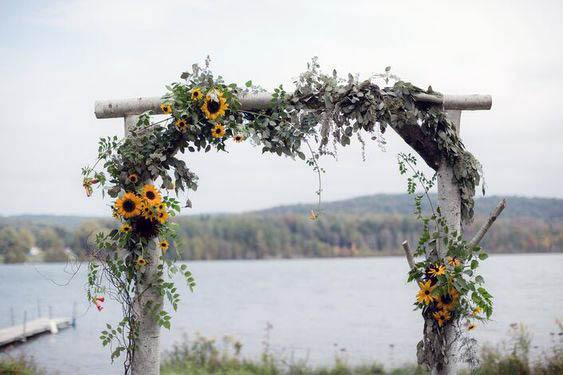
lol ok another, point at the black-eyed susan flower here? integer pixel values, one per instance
(133, 178)
(437, 270)
(214, 105)
(151, 194)
(162, 216)
(238, 138)
(196, 94)
(166, 108)
(441, 317)
(128, 206)
(218, 131)
(425, 293)
(141, 262)
(453, 261)
(125, 228)
(147, 211)
(164, 245)
(181, 125)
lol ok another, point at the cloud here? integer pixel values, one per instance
(67, 54)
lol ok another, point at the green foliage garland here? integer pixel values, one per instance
(204, 113)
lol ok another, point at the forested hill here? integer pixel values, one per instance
(518, 207)
(364, 226)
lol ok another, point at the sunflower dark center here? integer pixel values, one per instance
(150, 195)
(446, 299)
(213, 106)
(426, 292)
(128, 205)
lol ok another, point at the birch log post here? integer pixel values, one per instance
(437, 349)
(146, 355)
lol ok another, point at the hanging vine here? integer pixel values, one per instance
(203, 113)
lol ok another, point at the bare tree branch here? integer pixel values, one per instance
(492, 217)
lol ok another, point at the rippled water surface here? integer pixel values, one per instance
(318, 307)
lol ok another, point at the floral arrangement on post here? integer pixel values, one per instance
(203, 113)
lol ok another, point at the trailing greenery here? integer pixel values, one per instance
(445, 265)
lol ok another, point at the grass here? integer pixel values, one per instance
(20, 365)
(203, 356)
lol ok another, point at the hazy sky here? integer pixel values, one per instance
(58, 57)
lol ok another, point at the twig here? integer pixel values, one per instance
(492, 217)
(408, 254)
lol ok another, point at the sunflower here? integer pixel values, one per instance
(182, 125)
(145, 227)
(437, 270)
(129, 205)
(238, 138)
(133, 178)
(141, 262)
(454, 293)
(454, 261)
(161, 206)
(214, 105)
(425, 293)
(446, 302)
(151, 194)
(161, 216)
(196, 93)
(218, 131)
(166, 108)
(164, 245)
(125, 228)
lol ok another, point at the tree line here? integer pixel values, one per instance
(264, 235)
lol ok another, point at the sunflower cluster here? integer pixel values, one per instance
(438, 297)
(206, 109)
(141, 212)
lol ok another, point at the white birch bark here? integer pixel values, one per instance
(449, 201)
(146, 358)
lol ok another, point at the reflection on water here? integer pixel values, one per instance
(361, 307)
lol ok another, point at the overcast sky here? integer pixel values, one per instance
(58, 57)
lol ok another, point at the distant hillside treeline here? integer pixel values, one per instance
(365, 226)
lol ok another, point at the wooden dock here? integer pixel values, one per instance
(22, 332)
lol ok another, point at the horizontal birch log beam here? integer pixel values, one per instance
(136, 106)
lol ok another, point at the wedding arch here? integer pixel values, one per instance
(133, 264)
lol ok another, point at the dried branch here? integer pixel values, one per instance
(492, 217)
(408, 254)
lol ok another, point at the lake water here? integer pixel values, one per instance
(358, 307)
